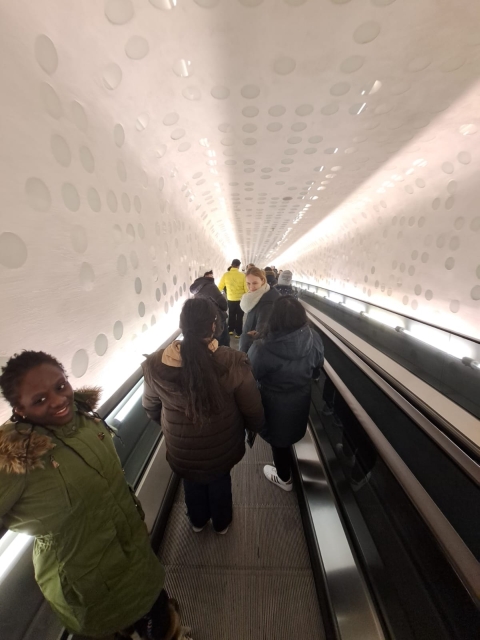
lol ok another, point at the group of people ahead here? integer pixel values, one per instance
(206, 396)
(61, 480)
(252, 293)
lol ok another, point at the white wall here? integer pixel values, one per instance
(408, 239)
(341, 134)
(98, 241)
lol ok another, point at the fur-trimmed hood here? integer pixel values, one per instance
(22, 449)
(89, 395)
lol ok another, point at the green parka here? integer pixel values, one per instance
(92, 555)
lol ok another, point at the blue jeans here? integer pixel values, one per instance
(210, 501)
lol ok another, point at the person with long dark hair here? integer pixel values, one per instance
(205, 397)
(284, 363)
(61, 481)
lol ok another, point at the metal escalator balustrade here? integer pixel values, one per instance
(425, 498)
(459, 425)
(447, 361)
(342, 589)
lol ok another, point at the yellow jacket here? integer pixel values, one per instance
(236, 284)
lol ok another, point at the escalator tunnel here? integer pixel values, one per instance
(379, 539)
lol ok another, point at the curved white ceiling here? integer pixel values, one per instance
(335, 136)
(276, 103)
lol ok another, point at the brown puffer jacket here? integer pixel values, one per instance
(203, 453)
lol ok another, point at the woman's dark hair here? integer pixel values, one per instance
(18, 365)
(288, 315)
(200, 371)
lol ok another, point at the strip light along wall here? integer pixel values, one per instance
(354, 305)
(445, 342)
(12, 546)
(335, 297)
(437, 338)
(382, 317)
(120, 416)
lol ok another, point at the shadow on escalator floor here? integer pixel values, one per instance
(255, 582)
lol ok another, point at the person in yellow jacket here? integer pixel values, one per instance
(234, 281)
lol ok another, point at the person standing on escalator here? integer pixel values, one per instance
(257, 304)
(234, 281)
(284, 285)
(205, 287)
(204, 396)
(284, 363)
(62, 482)
(271, 276)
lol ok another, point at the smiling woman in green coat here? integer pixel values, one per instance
(61, 481)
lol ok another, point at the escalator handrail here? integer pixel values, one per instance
(456, 551)
(403, 397)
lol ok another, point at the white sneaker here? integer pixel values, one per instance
(222, 533)
(198, 529)
(270, 473)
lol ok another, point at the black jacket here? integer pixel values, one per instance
(283, 365)
(257, 318)
(206, 288)
(196, 453)
(286, 290)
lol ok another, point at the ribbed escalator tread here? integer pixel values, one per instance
(256, 581)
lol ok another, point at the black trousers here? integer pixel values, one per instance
(282, 462)
(156, 623)
(210, 501)
(235, 317)
(224, 338)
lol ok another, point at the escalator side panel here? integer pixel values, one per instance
(350, 603)
(434, 600)
(442, 479)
